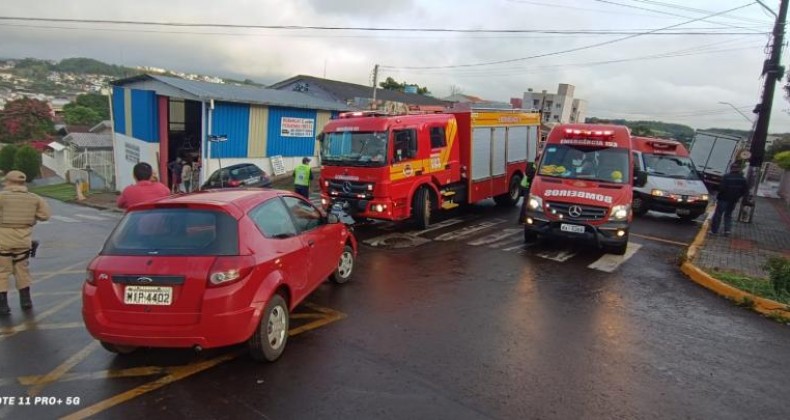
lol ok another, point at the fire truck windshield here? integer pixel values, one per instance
(677, 167)
(604, 164)
(355, 148)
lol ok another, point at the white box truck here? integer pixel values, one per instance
(713, 153)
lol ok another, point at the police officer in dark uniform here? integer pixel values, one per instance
(19, 212)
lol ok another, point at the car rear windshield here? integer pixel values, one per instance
(174, 232)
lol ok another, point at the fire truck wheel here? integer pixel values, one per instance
(638, 205)
(511, 197)
(421, 208)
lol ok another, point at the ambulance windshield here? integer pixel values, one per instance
(677, 167)
(354, 148)
(604, 164)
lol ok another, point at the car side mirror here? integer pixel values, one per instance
(640, 178)
(332, 219)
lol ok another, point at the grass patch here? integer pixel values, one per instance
(756, 286)
(62, 192)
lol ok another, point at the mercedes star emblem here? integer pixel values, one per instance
(575, 211)
(347, 187)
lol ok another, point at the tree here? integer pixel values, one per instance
(777, 147)
(94, 102)
(455, 90)
(25, 119)
(28, 160)
(783, 160)
(81, 115)
(7, 156)
(392, 84)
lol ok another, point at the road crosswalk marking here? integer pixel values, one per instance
(90, 217)
(559, 256)
(468, 231)
(64, 219)
(498, 236)
(609, 262)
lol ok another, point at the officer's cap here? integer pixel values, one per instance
(15, 176)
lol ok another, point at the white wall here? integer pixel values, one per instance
(124, 166)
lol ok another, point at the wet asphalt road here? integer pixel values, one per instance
(470, 324)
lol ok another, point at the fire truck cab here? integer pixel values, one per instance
(673, 183)
(584, 186)
(399, 167)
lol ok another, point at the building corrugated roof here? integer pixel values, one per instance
(241, 94)
(348, 91)
(89, 140)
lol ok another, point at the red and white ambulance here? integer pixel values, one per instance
(673, 183)
(584, 186)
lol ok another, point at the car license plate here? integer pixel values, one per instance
(684, 212)
(253, 180)
(571, 228)
(148, 295)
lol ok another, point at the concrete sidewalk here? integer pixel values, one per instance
(750, 245)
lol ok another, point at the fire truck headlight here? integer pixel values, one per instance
(380, 208)
(535, 202)
(370, 187)
(704, 197)
(326, 184)
(658, 193)
(324, 202)
(620, 212)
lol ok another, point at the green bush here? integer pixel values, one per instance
(779, 272)
(28, 160)
(7, 155)
(783, 159)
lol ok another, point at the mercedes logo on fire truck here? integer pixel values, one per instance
(347, 187)
(575, 211)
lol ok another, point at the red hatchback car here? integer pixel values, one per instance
(213, 269)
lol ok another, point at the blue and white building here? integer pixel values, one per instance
(158, 118)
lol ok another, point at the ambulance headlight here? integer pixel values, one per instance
(704, 197)
(620, 212)
(535, 202)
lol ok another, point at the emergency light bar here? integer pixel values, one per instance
(575, 133)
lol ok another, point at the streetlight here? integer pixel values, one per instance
(738, 111)
(221, 138)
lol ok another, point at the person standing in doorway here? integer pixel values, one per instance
(186, 177)
(175, 174)
(142, 191)
(19, 212)
(732, 188)
(302, 177)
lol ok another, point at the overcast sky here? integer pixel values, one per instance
(688, 87)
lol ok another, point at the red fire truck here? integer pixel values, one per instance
(398, 167)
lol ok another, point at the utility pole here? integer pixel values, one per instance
(375, 85)
(773, 72)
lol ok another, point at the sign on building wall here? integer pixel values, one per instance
(132, 153)
(297, 127)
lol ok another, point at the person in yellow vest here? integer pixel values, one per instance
(19, 212)
(302, 177)
(526, 183)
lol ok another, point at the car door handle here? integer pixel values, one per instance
(310, 242)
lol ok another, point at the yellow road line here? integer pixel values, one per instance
(27, 325)
(307, 316)
(102, 374)
(178, 373)
(174, 376)
(657, 239)
(61, 370)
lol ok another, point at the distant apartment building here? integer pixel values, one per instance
(560, 107)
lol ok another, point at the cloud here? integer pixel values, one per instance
(360, 7)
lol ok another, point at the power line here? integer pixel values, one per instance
(657, 11)
(585, 47)
(332, 28)
(696, 10)
(531, 35)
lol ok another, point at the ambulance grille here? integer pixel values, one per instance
(587, 212)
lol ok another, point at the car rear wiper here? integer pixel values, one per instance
(283, 236)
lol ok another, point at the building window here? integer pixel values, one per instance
(559, 106)
(177, 115)
(437, 137)
(535, 103)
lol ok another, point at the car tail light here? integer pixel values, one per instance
(90, 277)
(227, 270)
(234, 183)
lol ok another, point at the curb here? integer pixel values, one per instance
(759, 304)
